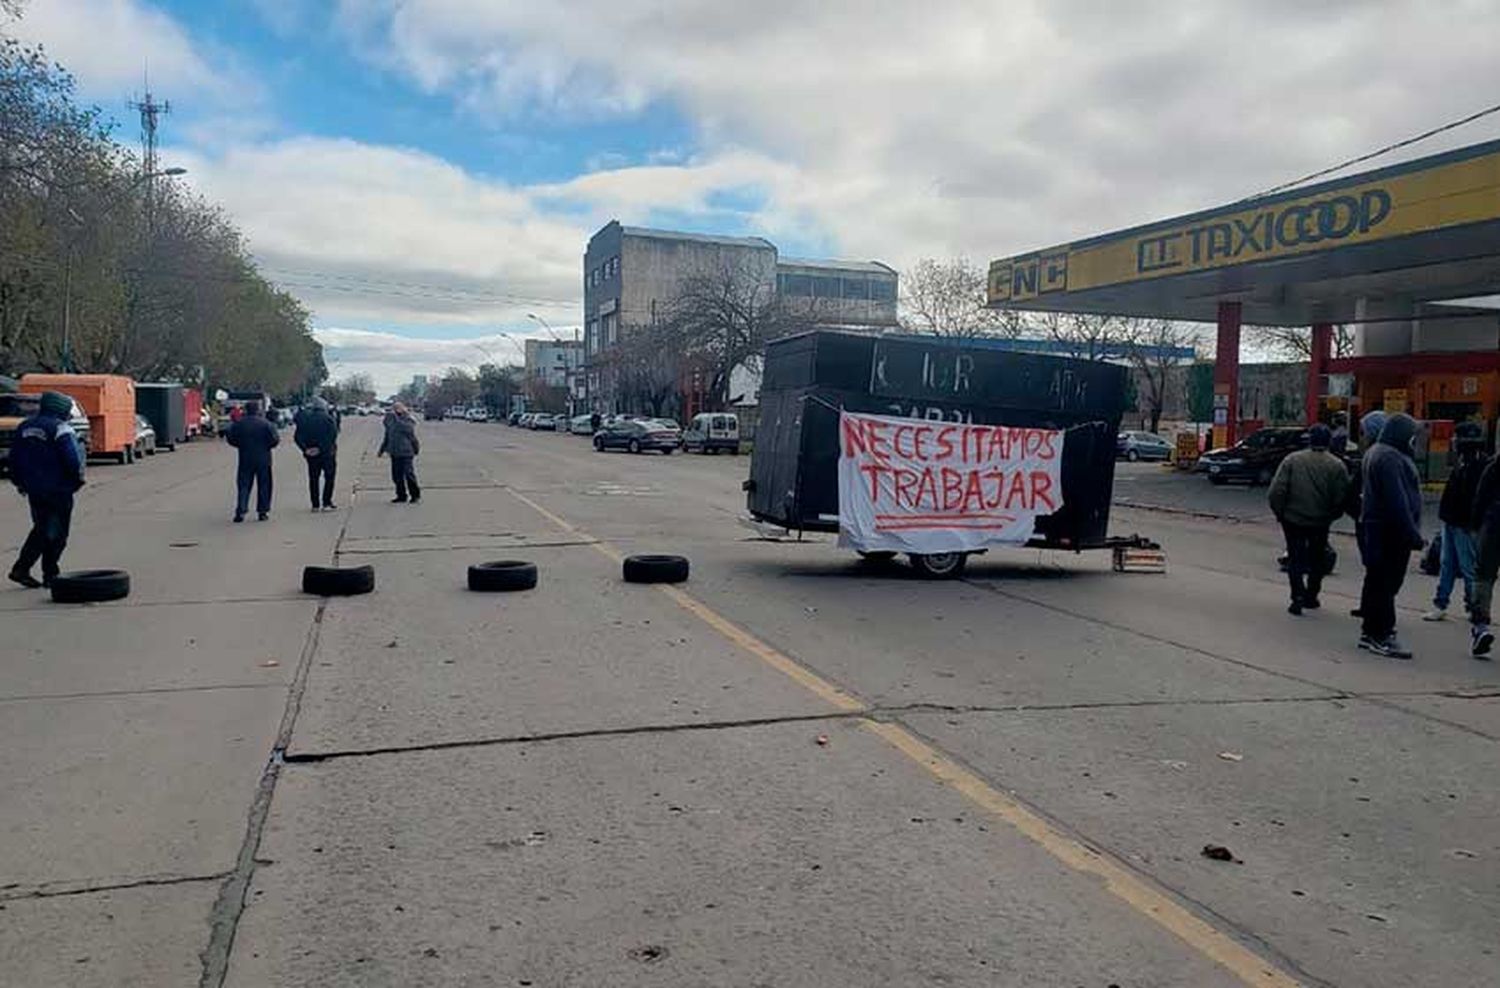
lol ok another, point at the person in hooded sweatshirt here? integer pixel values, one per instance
(254, 437)
(317, 435)
(1391, 522)
(46, 465)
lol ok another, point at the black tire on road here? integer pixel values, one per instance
(89, 586)
(668, 451)
(655, 569)
(502, 575)
(635, 446)
(941, 565)
(338, 581)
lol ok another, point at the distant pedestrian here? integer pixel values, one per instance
(1338, 442)
(1456, 512)
(595, 421)
(1485, 516)
(1308, 492)
(236, 413)
(46, 465)
(254, 437)
(1391, 516)
(317, 435)
(402, 445)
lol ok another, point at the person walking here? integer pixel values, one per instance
(402, 445)
(1309, 491)
(317, 435)
(46, 465)
(1485, 517)
(1391, 520)
(1338, 443)
(1456, 513)
(254, 437)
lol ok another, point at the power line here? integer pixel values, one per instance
(1453, 125)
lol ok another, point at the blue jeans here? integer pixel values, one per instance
(1457, 558)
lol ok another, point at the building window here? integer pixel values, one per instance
(794, 285)
(825, 287)
(856, 288)
(883, 290)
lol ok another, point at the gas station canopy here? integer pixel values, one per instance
(1379, 244)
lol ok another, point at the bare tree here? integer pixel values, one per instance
(1089, 337)
(722, 317)
(1152, 354)
(643, 367)
(948, 298)
(1295, 342)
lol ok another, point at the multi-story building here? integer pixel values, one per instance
(553, 365)
(633, 275)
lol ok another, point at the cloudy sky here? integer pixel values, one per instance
(425, 173)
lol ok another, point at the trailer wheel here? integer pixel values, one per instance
(940, 565)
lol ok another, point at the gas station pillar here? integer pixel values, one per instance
(1227, 376)
(1317, 367)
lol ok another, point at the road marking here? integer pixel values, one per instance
(1134, 889)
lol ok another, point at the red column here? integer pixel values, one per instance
(1227, 373)
(1317, 366)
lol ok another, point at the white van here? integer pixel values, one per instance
(710, 432)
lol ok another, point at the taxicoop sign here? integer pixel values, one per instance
(907, 485)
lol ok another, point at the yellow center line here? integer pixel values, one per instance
(1134, 889)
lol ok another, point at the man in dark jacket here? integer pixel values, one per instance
(1391, 519)
(402, 445)
(254, 437)
(317, 435)
(46, 465)
(1456, 511)
(1309, 491)
(1485, 517)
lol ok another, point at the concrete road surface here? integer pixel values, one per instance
(795, 769)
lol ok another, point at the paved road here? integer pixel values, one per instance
(795, 770)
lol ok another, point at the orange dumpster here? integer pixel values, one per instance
(107, 399)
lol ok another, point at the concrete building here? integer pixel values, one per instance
(838, 293)
(553, 365)
(632, 275)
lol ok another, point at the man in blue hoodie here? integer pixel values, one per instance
(46, 465)
(1391, 529)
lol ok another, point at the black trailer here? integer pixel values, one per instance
(809, 377)
(163, 404)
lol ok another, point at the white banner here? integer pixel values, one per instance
(911, 485)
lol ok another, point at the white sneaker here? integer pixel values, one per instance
(1436, 614)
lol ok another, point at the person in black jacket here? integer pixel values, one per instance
(317, 435)
(1455, 511)
(1485, 517)
(254, 437)
(1391, 519)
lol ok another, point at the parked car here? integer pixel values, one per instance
(145, 437)
(1132, 445)
(710, 432)
(1255, 458)
(14, 408)
(477, 415)
(514, 418)
(581, 425)
(639, 436)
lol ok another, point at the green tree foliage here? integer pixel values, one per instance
(105, 269)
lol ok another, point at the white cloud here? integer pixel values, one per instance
(966, 125)
(112, 47)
